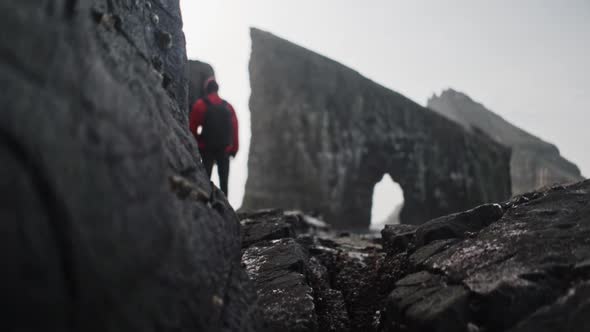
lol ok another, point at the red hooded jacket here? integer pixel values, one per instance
(197, 120)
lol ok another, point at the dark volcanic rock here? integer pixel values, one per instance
(458, 225)
(109, 222)
(355, 274)
(278, 269)
(317, 280)
(294, 288)
(424, 302)
(535, 163)
(330, 303)
(521, 265)
(397, 238)
(198, 73)
(501, 271)
(569, 313)
(257, 230)
(323, 136)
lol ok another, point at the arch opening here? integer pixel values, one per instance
(388, 201)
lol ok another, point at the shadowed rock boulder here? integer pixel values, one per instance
(535, 163)
(109, 222)
(323, 136)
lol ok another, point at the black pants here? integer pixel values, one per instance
(222, 160)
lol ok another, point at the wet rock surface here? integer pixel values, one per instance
(323, 136)
(520, 265)
(534, 164)
(496, 276)
(278, 268)
(255, 230)
(308, 279)
(109, 222)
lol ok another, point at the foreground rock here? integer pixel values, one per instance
(522, 265)
(323, 136)
(535, 163)
(472, 275)
(307, 279)
(109, 222)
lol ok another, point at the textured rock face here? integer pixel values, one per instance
(307, 282)
(535, 163)
(154, 29)
(108, 220)
(516, 266)
(323, 136)
(198, 72)
(520, 265)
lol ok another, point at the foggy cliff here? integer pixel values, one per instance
(535, 163)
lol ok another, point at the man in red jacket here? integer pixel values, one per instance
(214, 124)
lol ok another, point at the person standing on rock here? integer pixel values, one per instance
(214, 124)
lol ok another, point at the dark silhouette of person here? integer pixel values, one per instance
(214, 124)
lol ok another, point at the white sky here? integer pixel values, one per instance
(527, 60)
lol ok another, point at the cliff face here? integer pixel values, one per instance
(535, 163)
(323, 136)
(109, 222)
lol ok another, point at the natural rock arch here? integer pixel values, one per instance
(323, 136)
(387, 202)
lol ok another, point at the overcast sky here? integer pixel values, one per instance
(527, 60)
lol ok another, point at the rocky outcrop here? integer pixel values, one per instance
(520, 265)
(535, 163)
(323, 136)
(198, 73)
(496, 268)
(308, 279)
(108, 220)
